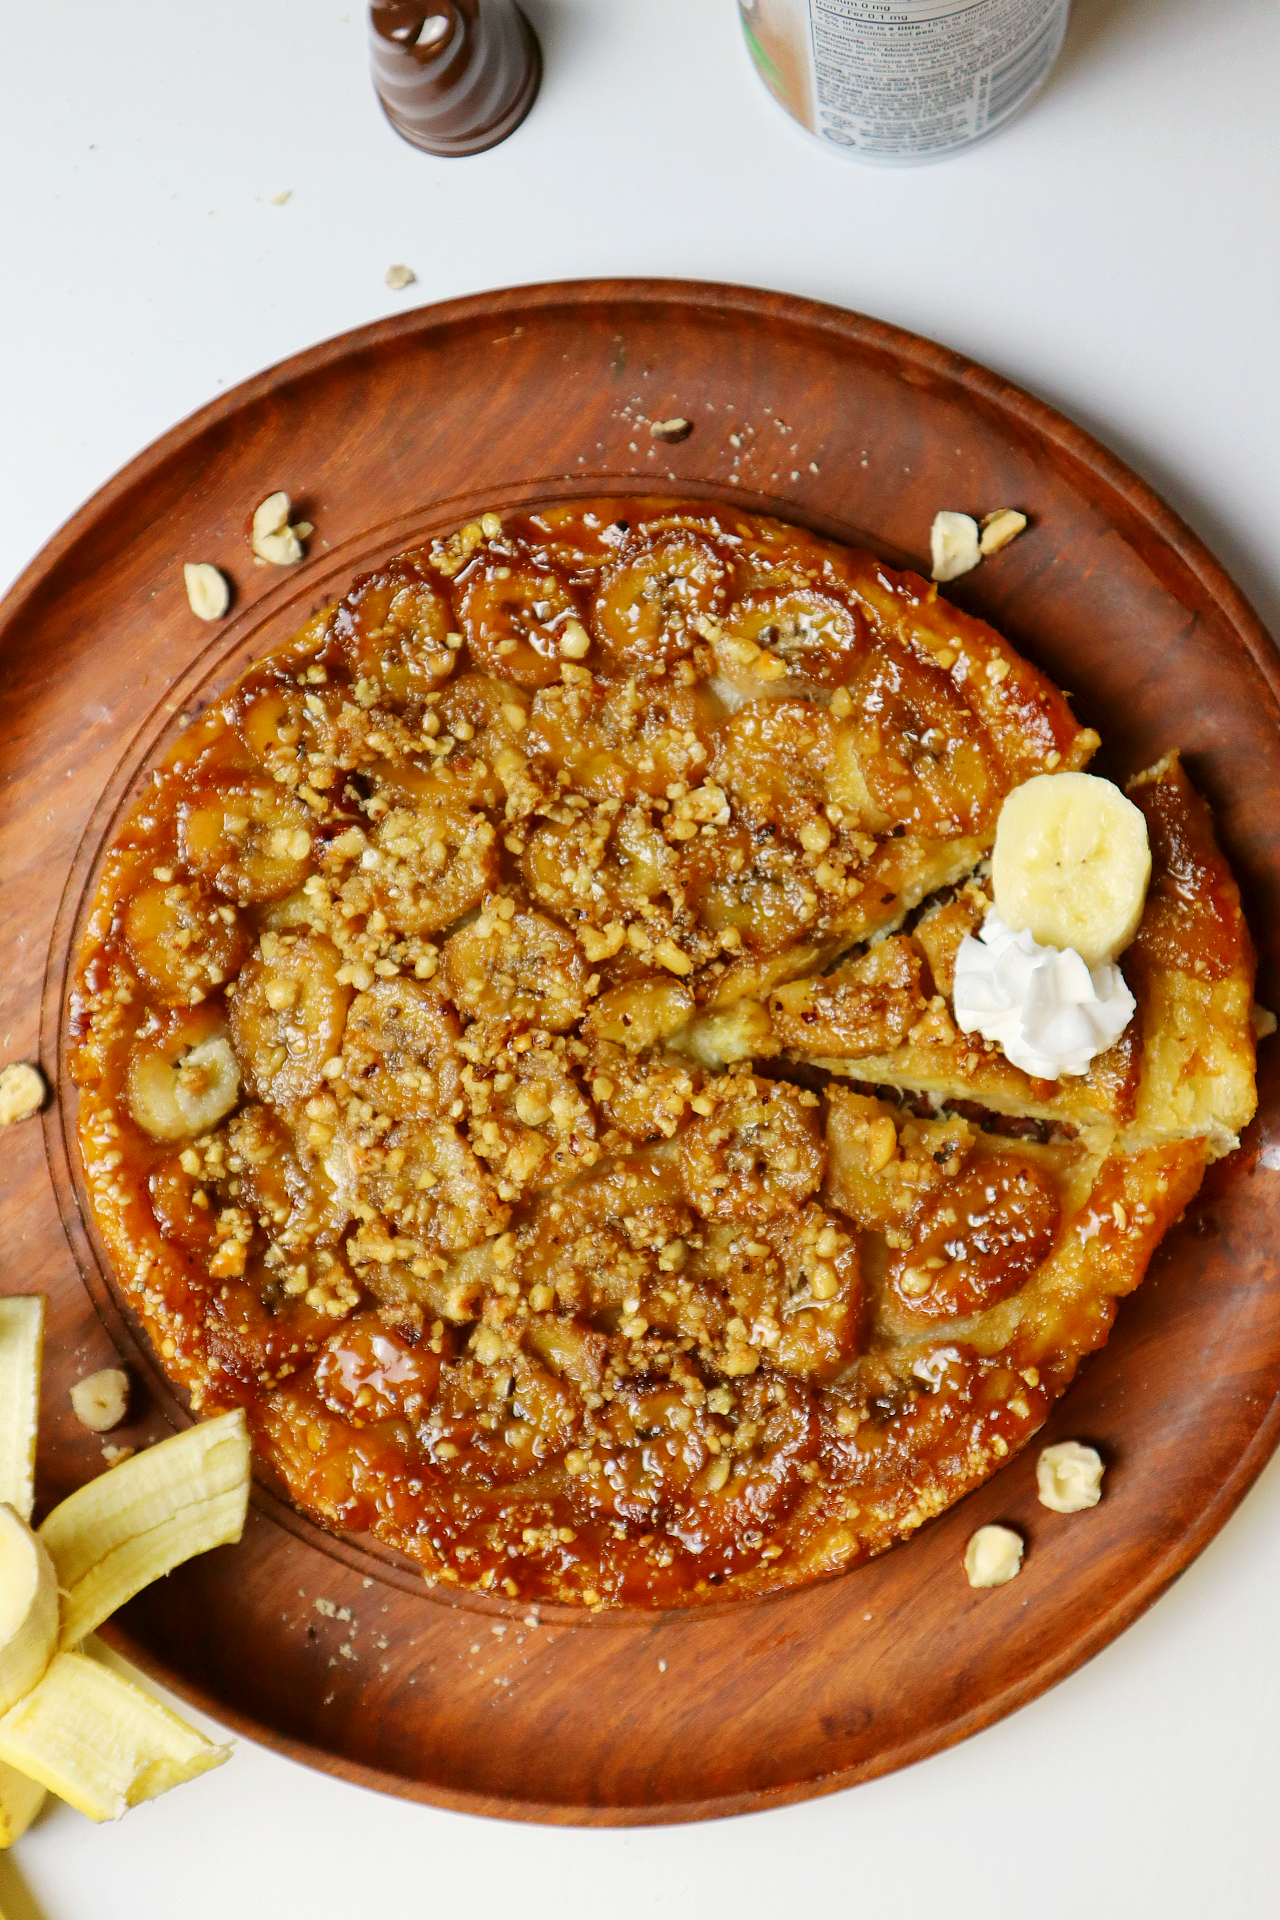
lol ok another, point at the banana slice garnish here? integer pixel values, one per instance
(1071, 864)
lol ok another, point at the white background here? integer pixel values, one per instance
(1118, 252)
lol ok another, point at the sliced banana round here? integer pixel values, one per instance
(252, 840)
(517, 620)
(28, 1609)
(182, 940)
(177, 1090)
(796, 631)
(654, 592)
(400, 1049)
(1071, 864)
(394, 628)
(288, 1013)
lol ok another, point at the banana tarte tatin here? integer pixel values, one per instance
(516, 1065)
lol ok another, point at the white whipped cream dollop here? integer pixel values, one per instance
(1042, 1006)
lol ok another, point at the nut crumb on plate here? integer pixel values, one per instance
(22, 1092)
(999, 528)
(101, 1399)
(953, 545)
(1069, 1477)
(272, 538)
(208, 594)
(993, 1557)
(399, 276)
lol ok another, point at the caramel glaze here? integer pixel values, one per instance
(1192, 922)
(429, 1103)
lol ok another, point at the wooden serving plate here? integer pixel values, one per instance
(860, 431)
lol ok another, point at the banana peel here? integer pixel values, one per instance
(99, 1742)
(68, 1723)
(21, 1343)
(20, 1801)
(120, 1532)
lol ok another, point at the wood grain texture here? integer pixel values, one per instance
(861, 432)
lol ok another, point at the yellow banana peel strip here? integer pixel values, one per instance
(99, 1742)
(21, 1341)
(123, 1530)
(20, 1801)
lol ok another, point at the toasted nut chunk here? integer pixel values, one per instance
(999, 528)
(993, 1557)
(1069, 1477)
(672, 431)
(208, 594)
(101, 1399)
(399, 277)
(273, 539)
(953, 545)
(22, 1091)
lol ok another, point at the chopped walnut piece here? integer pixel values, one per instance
(272, 538)
(953, 545)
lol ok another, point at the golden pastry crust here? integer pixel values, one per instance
(431, 1103)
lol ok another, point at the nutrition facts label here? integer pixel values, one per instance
(919, 79)
(903, 81)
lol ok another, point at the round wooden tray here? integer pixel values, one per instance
(861, 431)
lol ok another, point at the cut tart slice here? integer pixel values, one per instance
(1184, 1068)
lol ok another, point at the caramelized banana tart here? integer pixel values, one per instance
(516, 1066)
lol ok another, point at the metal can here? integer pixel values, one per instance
(908, 80)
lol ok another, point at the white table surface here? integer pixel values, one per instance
(1117, 252)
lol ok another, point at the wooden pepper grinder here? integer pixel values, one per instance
(453, 76)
